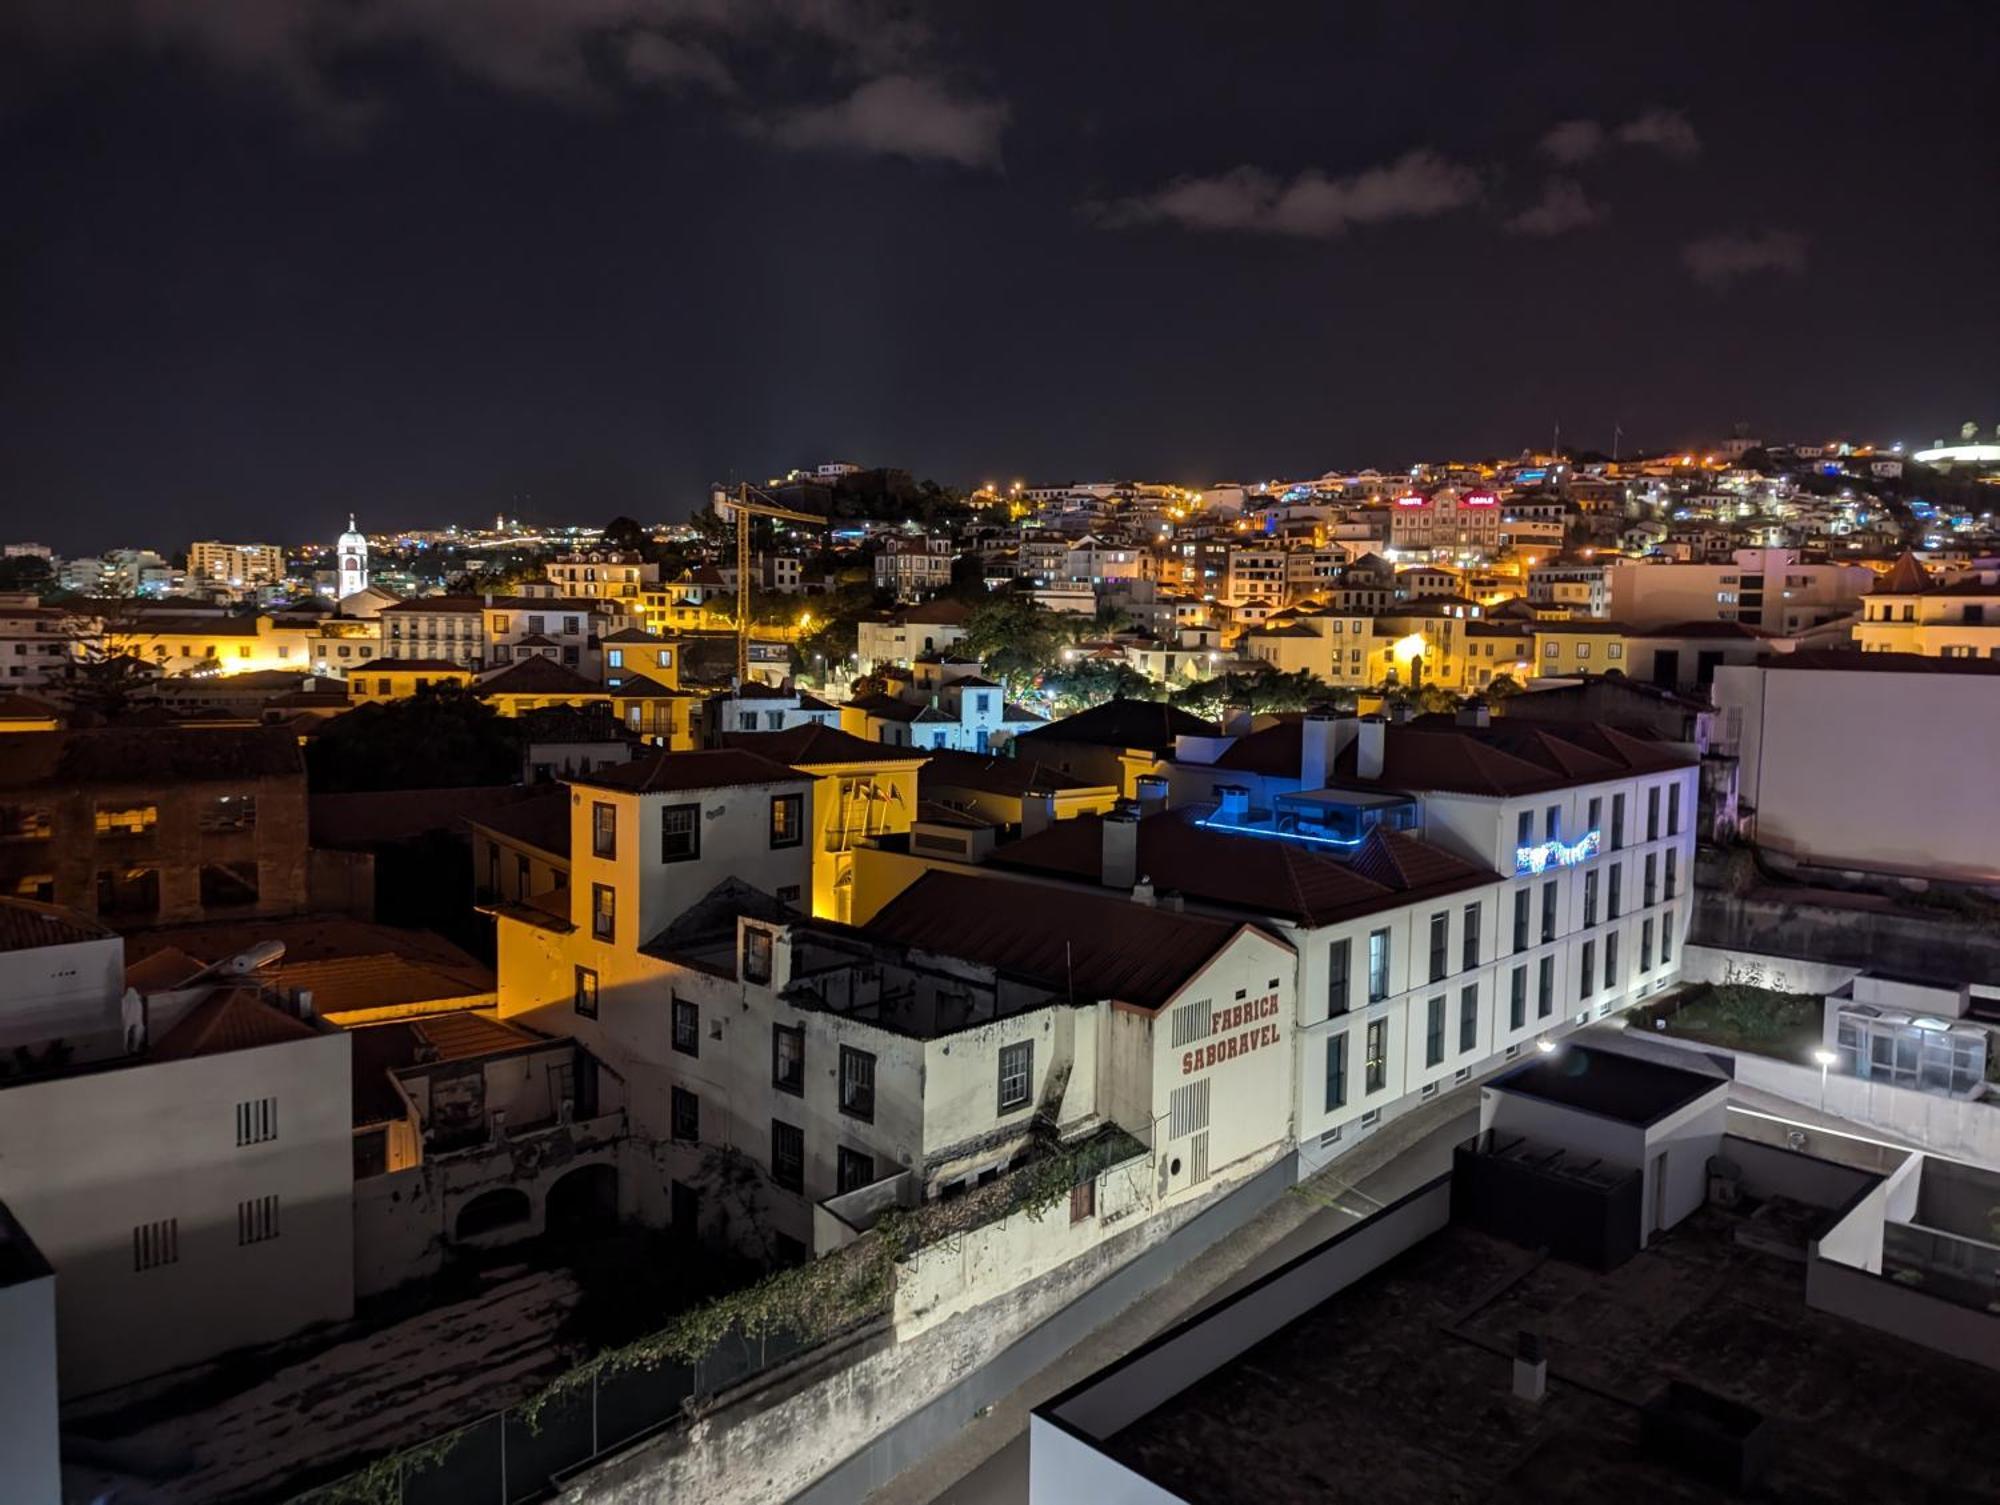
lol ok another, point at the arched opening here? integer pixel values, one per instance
(586, 1197)
(490, 1211)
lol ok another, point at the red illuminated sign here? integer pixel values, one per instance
(1479, 499)
(1413, 500)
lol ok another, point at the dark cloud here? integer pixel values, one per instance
(1719, 261)
(901, 116)
(1563, 207)
(1417, 185)
(1573, 141)
(1663, 130)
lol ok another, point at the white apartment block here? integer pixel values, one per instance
(1763, 588)
(235, 566)
(37, 643)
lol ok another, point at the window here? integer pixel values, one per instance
(1673, 861)
(1017, 1070)
(131, 893)
(1666, 937)
(1468, 1017)
(1440, 943)
(1652, 877)
(788, 1058)
(257, 1220)
(229, 812)
(1653, 813)
(126, 820)
(156, 1244)
(1336, 1072)
(1615, 880)
(1589, 899)
(746, 721)
(787, 819)
(1378, 965)
(1545, 988)
(1338, 980)
(1549, 910)
(788, 1155)
(603, 911)
(1646, 946)
(1521, 919)
(1617, 822)
(1587, 971)
(1595, 815)
(756, 954)
(25, 823)
(1673, 809)
(857, 1083)
(686, 1116)
(687, 1027)
(1517, 998)
(1524, 829)
(603, 829)
(680, 833)
(1376, 1065)
(256, 1121)
(227, 885)
(1552, 824)
(1469, 947)
(856, 1170)
(1434, 1031)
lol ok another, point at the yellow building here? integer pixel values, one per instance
(536, 684)
(860, 790)
(661, 714)
(400, 678)
(1494, 649)
(1909, 610)
(1567, 649)
(631, 651)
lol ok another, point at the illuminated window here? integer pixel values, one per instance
(603, 911)
(585, 998)
(787, 819)
(126, 820)
(603, 829)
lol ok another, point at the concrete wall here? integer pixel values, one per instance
(30, 1459)
(1947, 950)
(1804, 732)
(68, 992)
(86, 1159)
(1788, 974)
(1903, 1313)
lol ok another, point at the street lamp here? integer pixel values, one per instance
(1546, 1046)
(1826, 1058)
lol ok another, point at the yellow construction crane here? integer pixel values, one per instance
(745, 510)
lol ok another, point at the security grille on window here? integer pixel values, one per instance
(857, 1083)
(603, 830)
(257, 1121)
(257, 1220)
(788, 1155)
(788, 1058)
(156, 1244)
(586, 992)
(787, 820)
(1017, 1070)
(680, 833)
(687, 1028)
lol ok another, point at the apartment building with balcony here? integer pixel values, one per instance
(1910, 610)
(1771, 589)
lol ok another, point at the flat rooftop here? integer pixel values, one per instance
(1400, 1388)
(1608, 1083)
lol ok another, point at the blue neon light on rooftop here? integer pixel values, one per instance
(1212, 823)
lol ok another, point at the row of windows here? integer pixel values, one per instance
(158, 1243)
(1375, 1073)
(1524, 828)
(680, 828)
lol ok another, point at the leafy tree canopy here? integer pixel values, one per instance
(1264, 691)
(440, 738)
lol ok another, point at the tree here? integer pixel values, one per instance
(1017, 640)
(26, 572)
(440, 738)
(1263, 691)
(1078, 687)
(1503, 685)
(625, 535)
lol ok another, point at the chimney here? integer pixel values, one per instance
(1038, 811)
(1323, 735)
(1233, 804)
(1236, 721)
(304, 999)
(1121, 847)
(1368, 747)
(1531, 1368)
(1142, 892)
(489, 598)
(1474, 712)
(1152, 789)
(1397, 711)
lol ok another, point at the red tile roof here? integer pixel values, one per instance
(1280, 879)
(675, 772)
(1122, 723)
(814, 745)
(228, 1019)
(1510, 757)
(947, 769)
(535, 676)
(25, 925)
(1074, 944)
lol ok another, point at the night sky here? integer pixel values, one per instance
(267, 260)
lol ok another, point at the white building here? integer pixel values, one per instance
(350, 562)
(183, 1159)
(914, 567)
(902, 637)
(238, 568)
(949, 703)
(1909, 610)
(37, 642)
(1764, 588)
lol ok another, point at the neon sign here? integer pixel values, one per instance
(1479, 499)
(1555, 854)
(1413, 500)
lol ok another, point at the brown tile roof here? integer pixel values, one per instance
(535, 676)
(380, 1049)
(235, 1018)
(155, 755)
(309, 938)
(162, 971)
(411, 666)
(542, 823)
(25, 925)
(1074, 944)
(1280, 879)
(674, 772)
(1510, 757)
(345, 983)
(1906, 577)
(946, 769)
(1703, 629)
(1122, 723)
(1853, 660)
(814, 745)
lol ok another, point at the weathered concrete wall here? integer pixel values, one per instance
(1787, 974)
(1951, 951)
(781, 1437)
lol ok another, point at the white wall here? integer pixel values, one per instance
(1804, 732)
(85, 1159)
(68, 992)
(30, 1460)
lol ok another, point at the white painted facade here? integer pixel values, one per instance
(1766, 588)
